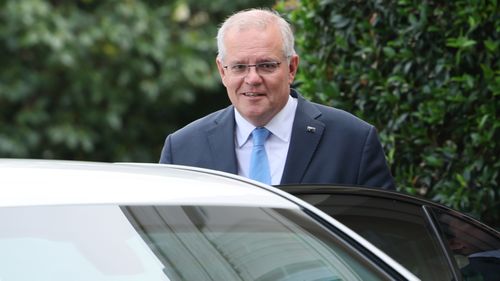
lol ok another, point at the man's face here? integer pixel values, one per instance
(258, 97)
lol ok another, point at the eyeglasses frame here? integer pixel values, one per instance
(247, 67)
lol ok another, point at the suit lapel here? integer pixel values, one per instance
(306, 135)
(307, 132)
(221, 142)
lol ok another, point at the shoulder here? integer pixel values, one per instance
(332, 116)
(201, 125)
(335, 114)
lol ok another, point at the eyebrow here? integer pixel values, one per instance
(256, 61)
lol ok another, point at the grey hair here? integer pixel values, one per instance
(260, 18)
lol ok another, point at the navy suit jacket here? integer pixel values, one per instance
(327, 146)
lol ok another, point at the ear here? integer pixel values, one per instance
(222, 70)
(292, 68)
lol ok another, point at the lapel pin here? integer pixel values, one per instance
(311, 129)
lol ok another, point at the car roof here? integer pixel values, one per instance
(25, 182)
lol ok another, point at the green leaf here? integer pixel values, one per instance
(460, 43)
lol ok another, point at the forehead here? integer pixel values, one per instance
(253, 42)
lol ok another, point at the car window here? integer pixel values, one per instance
(398, 228)
(241, 243)
(172, 243)
(476, 249)
(73, 243)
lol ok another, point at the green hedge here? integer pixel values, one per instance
(106, 80)
(427, 74)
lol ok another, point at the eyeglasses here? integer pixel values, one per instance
(262, 68)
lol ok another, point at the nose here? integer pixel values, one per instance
(252, 77)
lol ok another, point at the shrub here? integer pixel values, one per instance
(426, 74)
(105, 80)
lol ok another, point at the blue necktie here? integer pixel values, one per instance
(259, 165)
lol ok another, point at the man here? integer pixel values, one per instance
(307, 143)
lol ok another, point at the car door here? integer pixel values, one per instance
(414, 232)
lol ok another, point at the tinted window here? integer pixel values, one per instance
(476, 250)
(240, 243)
(399, 229)
(171, 243)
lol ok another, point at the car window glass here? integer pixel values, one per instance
(172, 243)
(77, 243)
(476, 250)
(240, 243)
(399, 229)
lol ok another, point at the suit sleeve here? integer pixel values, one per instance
(374, 170)
(166, 152)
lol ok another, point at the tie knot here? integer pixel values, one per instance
(259, 135)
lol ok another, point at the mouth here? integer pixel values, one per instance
(252, 94)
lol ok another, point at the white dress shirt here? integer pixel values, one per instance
(276, 145)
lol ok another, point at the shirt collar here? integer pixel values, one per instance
(280, 126)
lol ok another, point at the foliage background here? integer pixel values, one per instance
(427, 75)
(108, 80)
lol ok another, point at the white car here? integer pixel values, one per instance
(69, 220)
